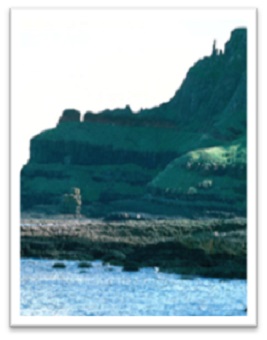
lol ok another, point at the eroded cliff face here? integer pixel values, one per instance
(117, 156)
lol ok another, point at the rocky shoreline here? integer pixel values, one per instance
(207, 247)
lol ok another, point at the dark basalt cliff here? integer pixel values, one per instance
(186, 156)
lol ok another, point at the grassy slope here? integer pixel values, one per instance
(211, 174)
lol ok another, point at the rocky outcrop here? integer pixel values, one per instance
(70, 115)
(208, 247)
(117, 155)
(71, 202)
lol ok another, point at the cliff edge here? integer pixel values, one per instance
(184, 157)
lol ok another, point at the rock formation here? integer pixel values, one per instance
(186, 155)
(70, 115)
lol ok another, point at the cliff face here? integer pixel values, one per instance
(115, 155)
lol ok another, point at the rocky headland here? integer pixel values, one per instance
(164, 179)
(184, 157)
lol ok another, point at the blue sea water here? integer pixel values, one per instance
(109, 291)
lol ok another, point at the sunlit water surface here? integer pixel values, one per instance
(107, 290)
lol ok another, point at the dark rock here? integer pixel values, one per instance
(59, 265)
(70, 115)
(131, 266)
(84, 265)
(114, 257)
(98, 253)
(122, 216)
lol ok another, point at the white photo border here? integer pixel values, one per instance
(250, 320)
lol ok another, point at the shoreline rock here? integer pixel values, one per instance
(213, 247)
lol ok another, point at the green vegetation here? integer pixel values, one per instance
(189, 152)
(211, 175)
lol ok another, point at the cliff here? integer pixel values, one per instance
(187, 155)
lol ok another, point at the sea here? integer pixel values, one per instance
(105, 290)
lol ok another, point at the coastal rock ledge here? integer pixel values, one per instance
(211, 247)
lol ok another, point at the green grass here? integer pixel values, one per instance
(235, 153)
(217, 173)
